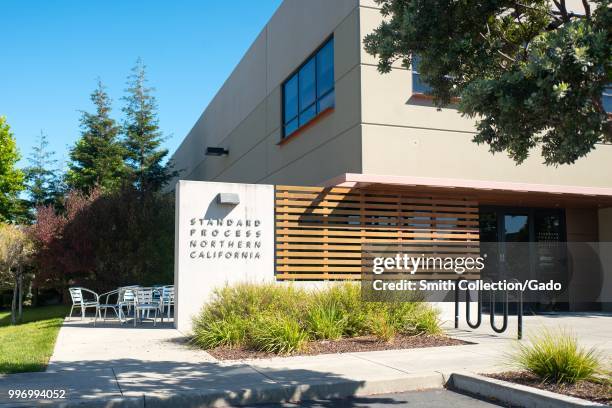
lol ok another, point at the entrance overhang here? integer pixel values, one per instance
(485, 192)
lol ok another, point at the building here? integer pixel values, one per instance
(307, 106)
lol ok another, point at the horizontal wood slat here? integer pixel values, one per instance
(333, 233)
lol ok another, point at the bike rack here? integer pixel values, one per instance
(492, 313)
(492, 310)
(467, 310)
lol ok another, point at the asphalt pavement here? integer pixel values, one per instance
(416, 399)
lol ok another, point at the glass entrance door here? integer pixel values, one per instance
(525, 243)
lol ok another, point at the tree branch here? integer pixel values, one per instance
(587, 9)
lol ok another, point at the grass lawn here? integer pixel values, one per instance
(29, 345)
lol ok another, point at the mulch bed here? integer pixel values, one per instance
(345, 345)
(587, 390)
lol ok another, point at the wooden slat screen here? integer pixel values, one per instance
(327, 233)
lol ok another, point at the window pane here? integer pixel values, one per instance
(418, 86)
(328, 101)
(325, 69)
(307, 114)
(290, 93)
(607, 99)
(307, 84)
(416, 61)
(291, 127)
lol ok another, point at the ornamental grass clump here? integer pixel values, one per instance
(210, 333)
(556, 357)
(280, 318)
(278, 334)
(326, 321)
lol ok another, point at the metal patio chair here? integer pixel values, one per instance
(79, 299)
(108, 305)
(127, 296)
(144, 302)
(167, 300)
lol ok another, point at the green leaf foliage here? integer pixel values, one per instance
(11, 178)
(531, 73)
(43, 180)
(143, 138)
(97, 159)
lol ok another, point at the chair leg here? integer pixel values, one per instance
(155, 318)
(135, 316)
(70, 315)
(82, 312)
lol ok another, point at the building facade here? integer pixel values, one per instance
(307, 106)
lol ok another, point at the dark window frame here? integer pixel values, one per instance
(295, 73)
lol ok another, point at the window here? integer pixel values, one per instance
(310, 90)
(418, 86)
(606, 99)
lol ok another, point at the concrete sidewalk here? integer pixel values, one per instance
(112, 361)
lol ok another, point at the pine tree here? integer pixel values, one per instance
(97, 159)
(143, 138)
(42, 181)
(11, 178)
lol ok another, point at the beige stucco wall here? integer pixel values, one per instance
(403, 135)
(245, 115)
(377, 126)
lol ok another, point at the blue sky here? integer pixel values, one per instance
(54, 50)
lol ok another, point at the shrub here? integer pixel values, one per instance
(209, 333)
(347, 298)
(278, 334)
(556, 357)
(326, 321)
(281, 318)
(247, 300)
(382, 327)
(414, 318)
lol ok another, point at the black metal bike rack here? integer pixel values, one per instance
(492, 310)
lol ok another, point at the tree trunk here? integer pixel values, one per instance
(20, 309)
(34, 291)
(14, 304)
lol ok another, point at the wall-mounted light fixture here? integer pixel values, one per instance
(228, 198)
(216, 151)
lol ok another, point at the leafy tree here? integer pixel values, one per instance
(42, 180)
(97, 159)
(11, 178)
(531, 72)
(16, 248)
(105, 240)
(143, 138)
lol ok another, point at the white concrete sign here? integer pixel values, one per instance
(224, 234)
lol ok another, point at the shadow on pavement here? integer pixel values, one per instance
(191, 382)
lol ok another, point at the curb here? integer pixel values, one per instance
(268, 394)
(514, 394)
